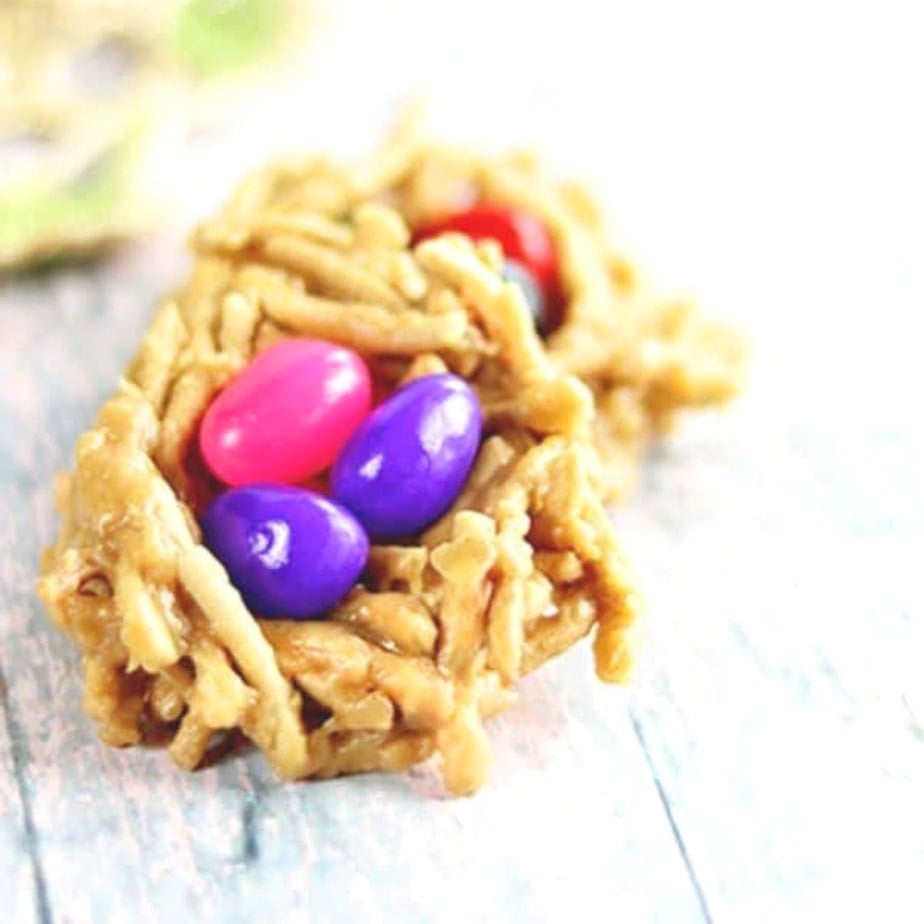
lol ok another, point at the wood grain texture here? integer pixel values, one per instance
(779, 715)
(18, 852)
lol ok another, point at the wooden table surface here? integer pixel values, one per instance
(768, 764)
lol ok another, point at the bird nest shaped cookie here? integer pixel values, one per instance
(432, 637)
(644, 357)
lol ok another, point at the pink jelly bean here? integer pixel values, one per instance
(286, 417)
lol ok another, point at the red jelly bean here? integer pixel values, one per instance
(521, 236)
(286, 417)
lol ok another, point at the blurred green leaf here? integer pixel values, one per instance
(213, 37)
(101, 198)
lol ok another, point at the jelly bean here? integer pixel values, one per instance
(406, 464)
(290, 552)
(521, 236)
(287, 415)
(532, 292)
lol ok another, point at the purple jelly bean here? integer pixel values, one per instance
(407, 462)
(290, 552)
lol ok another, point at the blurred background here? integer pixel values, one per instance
(717, 134)
(765, 159)
(756, 158)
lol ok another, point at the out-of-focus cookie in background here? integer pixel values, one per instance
(100, 103)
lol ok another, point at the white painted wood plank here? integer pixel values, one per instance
(17, 871)
(781, 692)
(571, 824)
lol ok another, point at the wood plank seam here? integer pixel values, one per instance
(250, 850)
(16, 738)
(671, 820)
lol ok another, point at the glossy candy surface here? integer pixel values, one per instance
(532, 291)
(287, 415)
(407, 463)
(290, 552)
(521, 236)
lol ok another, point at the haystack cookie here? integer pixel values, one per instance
(644, 358)
(341, 500)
